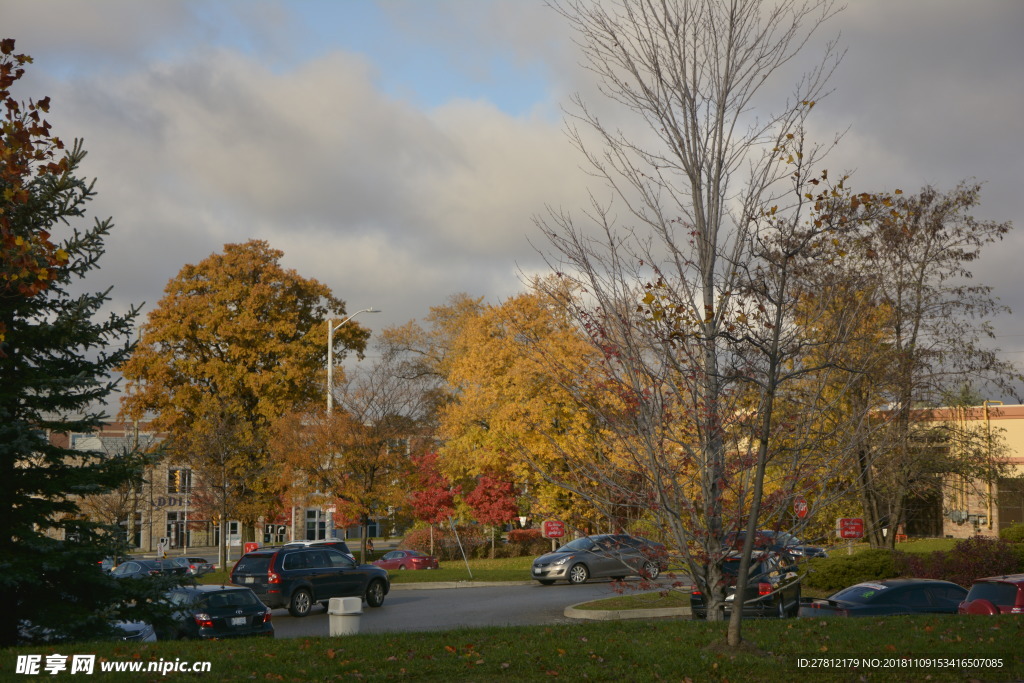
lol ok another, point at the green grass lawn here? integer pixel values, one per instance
(674, 649)
(649, 600)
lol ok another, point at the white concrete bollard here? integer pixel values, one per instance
(344, 614)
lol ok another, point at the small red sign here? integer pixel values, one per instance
(251, 546)
(553, 528)
(800, 506)
(850, 527)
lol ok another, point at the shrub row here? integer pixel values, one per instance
(969, 559)
(446, 544)
(1013, 533)
(476, 542)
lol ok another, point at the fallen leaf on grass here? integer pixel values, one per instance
(505, 665)
(449, 648)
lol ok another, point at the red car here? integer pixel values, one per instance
(407, 559)
(995, 595)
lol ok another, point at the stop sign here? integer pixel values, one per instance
(553, 528)
(800, 506)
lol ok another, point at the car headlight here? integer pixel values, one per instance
(563, 560)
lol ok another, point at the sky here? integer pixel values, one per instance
(398, 151)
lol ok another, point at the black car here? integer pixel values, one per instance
(606, 555)
(137, 569)
(773, 588)
(782, 542)
(194, 566)
(214, 612)
(888, 597)
(296, 576)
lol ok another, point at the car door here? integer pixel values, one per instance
(389, 559)
(603, 558)
(321, 575)
(348, 578)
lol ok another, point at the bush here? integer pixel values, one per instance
(1013, 533)
(526, 543)
(446, 546)
(524, 536)
(970, 559)
(840, 571)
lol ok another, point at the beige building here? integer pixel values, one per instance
(985, 506)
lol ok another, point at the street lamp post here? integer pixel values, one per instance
(331, 327)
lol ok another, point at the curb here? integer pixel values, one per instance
(573, 612)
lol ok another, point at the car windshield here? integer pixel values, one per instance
(578, 544)
(732, 568)
(996, 593)
(253, 564)
(862, 593)
(236, 598)
(783, 538)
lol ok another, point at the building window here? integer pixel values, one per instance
(316, 525)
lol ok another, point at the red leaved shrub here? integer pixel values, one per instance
(446, 546)
(970, 559)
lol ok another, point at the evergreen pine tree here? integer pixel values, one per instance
(56, 355)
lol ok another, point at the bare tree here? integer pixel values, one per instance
(937, 338)
(690, 291)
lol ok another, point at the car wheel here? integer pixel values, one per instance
(795, 612)
(651, 571)
(782, 613)
(300, 603)
(546, 582)
(375, 594)
(578, 573)
(401, 567)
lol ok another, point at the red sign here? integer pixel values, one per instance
(850, 527)
(553, 528)
(251, 546)
(800, 506)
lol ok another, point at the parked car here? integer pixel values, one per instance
(108, 563)
(137, 569)
(194, 566)
(136, 631)
(212, 612)
(407, 559)
(782, 542)
(297, 576)
(995, 595)
(773, 587)
(335, 543)
(888, 597)
(606, 555)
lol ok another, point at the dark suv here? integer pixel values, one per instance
(773, 588)
(297, 576)
(995, 595)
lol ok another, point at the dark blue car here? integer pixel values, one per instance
(889, 597)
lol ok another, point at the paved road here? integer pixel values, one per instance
(437, 609)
